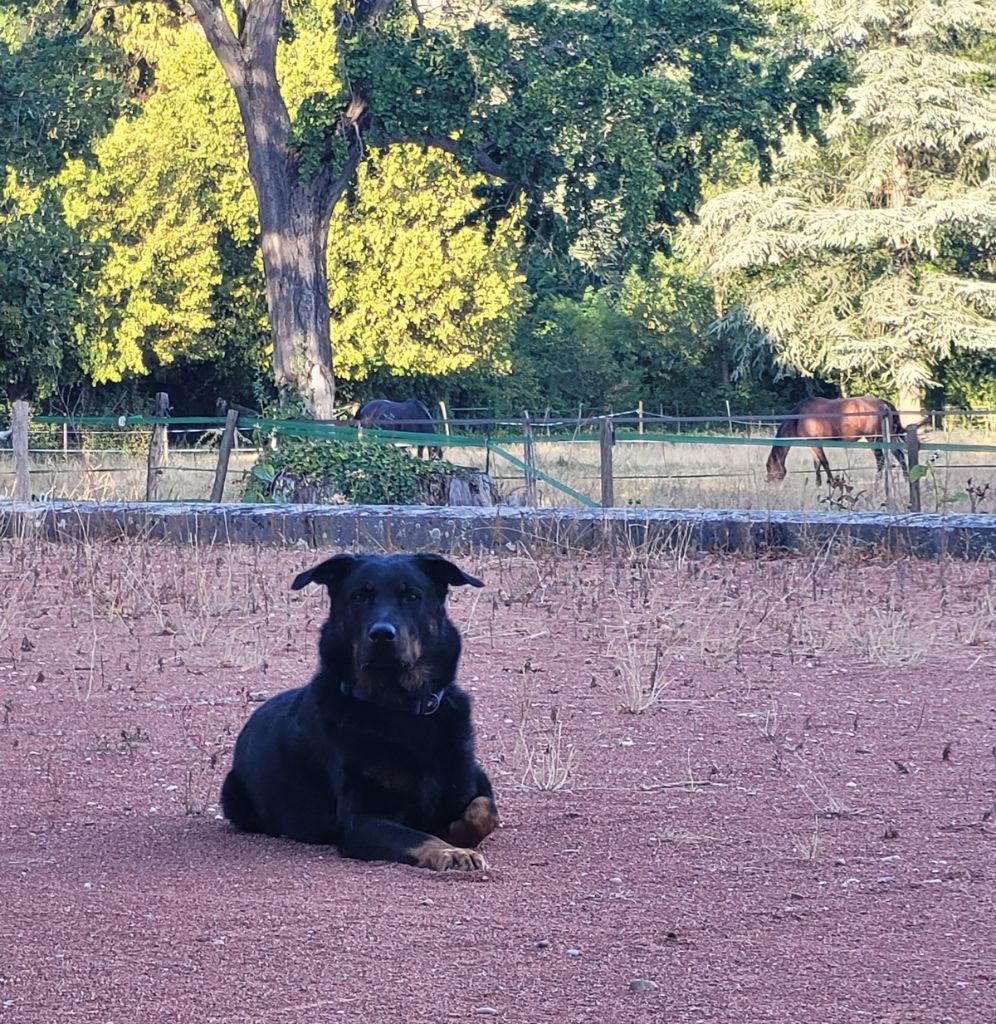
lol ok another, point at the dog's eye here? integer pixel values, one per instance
(361, 596)
(411, 596)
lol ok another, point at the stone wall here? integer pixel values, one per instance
(407, 528)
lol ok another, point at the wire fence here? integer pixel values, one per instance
(629, 458)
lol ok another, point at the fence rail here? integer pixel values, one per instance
(494, 436)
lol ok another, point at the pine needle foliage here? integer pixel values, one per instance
(872, 253)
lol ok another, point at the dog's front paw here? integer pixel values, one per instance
(479, 819)
(441, 856)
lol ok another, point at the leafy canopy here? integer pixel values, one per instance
(601, 115)
(872, 256)
(56, 96)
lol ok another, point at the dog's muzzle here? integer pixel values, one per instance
(382, 633)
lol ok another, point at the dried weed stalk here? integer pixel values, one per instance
(542, 757)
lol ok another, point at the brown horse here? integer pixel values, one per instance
(839, 419)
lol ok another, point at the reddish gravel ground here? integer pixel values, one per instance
(800, 828)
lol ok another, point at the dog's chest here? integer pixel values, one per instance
(409, 793)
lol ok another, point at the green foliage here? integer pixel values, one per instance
(967, 380)
(599, 119)
(418, 81)
(609, 112)
(166, 185)
(363, 473)
(56, 94)
(649, 342)
(872, 257)
(601, 115)
(413, 290)
(55, 98)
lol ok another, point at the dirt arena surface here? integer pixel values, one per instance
(799, 827)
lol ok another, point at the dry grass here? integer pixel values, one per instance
(656, 474)
(658, 617)
(188, 476)
(807, 848)
(639, 673)
(649, 474)
(542, 757)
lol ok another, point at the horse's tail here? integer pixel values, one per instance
(423, 408)
(896, 427)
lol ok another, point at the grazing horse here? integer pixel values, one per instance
(839, 419)
(410, 416)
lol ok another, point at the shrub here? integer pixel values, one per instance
(361, 473)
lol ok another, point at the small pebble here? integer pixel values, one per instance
(642, 985)
(542, 944)
(574, 952)
(486, 1011)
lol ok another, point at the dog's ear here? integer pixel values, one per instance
(444, 573)
(329, 573)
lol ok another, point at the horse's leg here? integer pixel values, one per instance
(820, 458)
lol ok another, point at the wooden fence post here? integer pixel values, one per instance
(529, 451)
(639, 413)
(606, 440)
(887, 458)
(157, 449)
(913, 459)
(19, 417)
(227, 439)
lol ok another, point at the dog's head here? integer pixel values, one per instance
(388, 639)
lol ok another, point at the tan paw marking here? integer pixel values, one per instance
(440, 856)
(479, 819)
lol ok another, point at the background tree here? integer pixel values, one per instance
(56, 96)
(873, 257)
(598, 116)
(165, 192)
(414, 290)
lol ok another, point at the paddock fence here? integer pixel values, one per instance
(602, 460)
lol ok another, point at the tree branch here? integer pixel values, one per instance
(369, 12)
(482, 159)
(92, 15)
(222, 39)
(262, 32)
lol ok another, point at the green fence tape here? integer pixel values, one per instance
(559, 484)
(350, 432)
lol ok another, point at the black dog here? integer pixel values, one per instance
(376, 753)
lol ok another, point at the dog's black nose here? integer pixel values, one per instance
(382, 633)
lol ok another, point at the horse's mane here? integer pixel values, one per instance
(790, 427)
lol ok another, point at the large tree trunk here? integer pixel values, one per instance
(910, 402)
(909, 396)
(293, 216)
(294, 233)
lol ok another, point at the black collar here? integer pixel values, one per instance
(427, 704)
